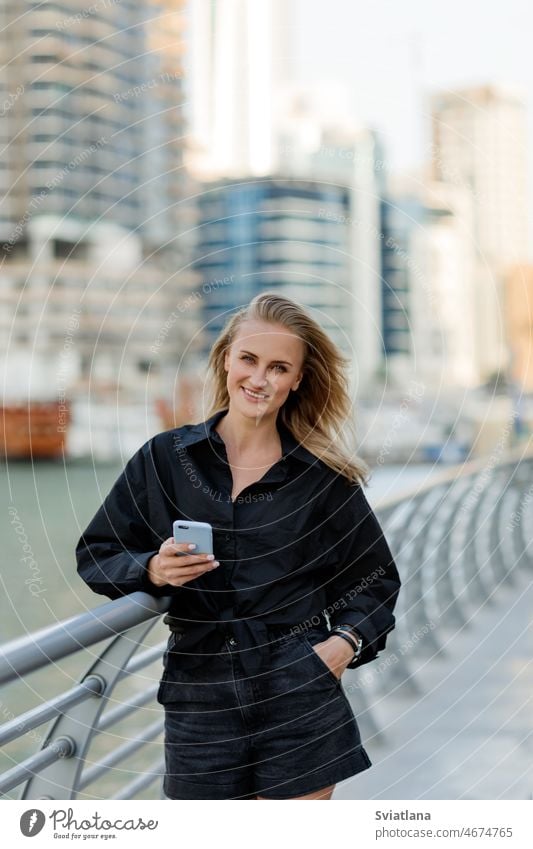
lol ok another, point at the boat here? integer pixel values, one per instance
(35, 430)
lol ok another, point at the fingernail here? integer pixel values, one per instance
(192, 546)
(216, 563)
(210, 556)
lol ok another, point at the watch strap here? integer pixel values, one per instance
(354, 637)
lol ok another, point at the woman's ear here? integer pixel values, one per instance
(297, 382)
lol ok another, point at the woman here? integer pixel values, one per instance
(304, 583)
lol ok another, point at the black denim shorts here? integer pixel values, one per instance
(287, 731)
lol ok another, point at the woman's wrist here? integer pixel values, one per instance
(150, 570)
(344, 646)
(341, 641)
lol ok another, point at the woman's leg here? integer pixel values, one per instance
(325, 793)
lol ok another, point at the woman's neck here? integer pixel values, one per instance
(244, 435)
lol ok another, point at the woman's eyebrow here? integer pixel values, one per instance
(280, 362)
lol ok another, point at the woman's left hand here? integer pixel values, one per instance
(336, 653)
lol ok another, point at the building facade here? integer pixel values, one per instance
(480, 146)
(275, 234)
(238, 64)
(91, 172)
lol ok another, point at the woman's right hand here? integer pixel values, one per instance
(169, 567)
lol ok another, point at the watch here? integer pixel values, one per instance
(351, 635)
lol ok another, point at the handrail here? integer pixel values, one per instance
(27, 654)
(77, 713)
(121, 711)
(63, 747)
(121, 752)
(91, 686)
(448, 475)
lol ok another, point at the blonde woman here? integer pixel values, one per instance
(303, 585)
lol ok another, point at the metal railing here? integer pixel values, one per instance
(59, 770)
(455, 540)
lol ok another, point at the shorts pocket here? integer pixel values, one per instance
(317, 637)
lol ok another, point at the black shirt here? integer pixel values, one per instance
(300, 542)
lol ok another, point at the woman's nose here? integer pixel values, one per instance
(259, 378)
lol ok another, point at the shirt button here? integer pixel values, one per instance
(232, 641)
(227, 537)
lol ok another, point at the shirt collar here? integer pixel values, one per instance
(290, 447)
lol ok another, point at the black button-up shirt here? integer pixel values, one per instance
(299, 543)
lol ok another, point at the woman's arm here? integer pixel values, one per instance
(365, 584)
(121, 552)
(113, 552)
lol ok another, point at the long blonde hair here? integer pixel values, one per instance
(320, 408)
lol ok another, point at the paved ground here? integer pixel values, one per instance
(469, 732)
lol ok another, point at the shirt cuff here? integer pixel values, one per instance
(361, 622)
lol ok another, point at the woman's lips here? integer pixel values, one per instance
(251, 397)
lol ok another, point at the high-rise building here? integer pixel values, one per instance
(428, 266)
(91, 142)
(480, 145)
(318, 140)
(239, 55)
(274, 234)
(444, 305)
(401, 221)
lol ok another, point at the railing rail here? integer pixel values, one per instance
(58, 770)
(454, 539)
(27, 654)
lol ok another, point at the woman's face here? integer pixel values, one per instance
(263, 363)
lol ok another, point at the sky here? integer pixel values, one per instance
(392, 53)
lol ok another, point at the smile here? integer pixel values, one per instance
(256, 396)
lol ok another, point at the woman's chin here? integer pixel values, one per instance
(254, 409)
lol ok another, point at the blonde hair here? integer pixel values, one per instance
(319, 409)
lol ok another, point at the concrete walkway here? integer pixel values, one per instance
(468, 734)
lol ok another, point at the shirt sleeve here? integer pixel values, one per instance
(365, 586)
(113, 553)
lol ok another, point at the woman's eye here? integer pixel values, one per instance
(247, 357)
(280, 368)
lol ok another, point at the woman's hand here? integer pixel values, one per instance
(170, 567)
(336, 653)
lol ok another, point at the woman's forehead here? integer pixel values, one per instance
(266, 333)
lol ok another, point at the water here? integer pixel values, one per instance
(45, 508)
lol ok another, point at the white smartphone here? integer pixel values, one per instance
(201, 533)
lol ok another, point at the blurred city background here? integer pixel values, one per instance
(163, 161)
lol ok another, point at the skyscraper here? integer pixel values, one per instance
(91, 143)
(96, 126)
(275, 234)
(480, 144)
(320, 141)
(239, 51)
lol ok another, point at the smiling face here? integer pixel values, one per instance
(263, 364)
